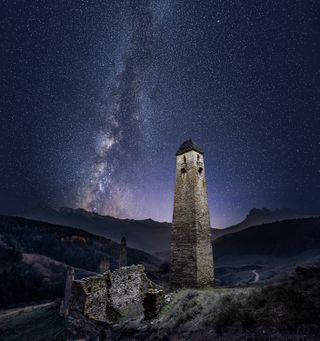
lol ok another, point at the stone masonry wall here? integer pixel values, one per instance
(191, 247)
(107, 297)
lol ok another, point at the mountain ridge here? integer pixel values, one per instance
(259, 216)
(146, 234)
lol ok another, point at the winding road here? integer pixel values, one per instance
(16, 311)
(256, 276)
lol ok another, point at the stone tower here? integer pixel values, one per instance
(191, 245)
(64, 307)
(104, 265)
(123, 253)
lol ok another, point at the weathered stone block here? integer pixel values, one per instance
(103, 299)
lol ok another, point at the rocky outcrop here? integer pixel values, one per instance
(99, 301)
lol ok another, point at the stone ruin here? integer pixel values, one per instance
(123, 261)
(99, 301)
(96, 303)
(64, 307)
(104, 265)
(154, 300)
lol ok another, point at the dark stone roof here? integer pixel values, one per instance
(187, 146)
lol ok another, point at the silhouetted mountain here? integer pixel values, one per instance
(281, 239)
(148, 235)
(259, 216)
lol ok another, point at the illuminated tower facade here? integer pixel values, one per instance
(191, 241)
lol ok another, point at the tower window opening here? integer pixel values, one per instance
(200, 170)
(198, 157)
(184, 159)
(183, 170)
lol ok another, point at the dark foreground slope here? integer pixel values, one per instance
(34, 257)
(36, 323)
(286, 311)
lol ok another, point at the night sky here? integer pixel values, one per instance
(97, 96)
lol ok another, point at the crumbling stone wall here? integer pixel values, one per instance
(103, 299)
(128, 286)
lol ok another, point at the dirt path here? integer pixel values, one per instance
(256, 276)
(12, 312)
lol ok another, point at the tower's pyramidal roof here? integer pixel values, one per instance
(187, 146)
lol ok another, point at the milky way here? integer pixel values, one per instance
(118, 142)
(97, 96)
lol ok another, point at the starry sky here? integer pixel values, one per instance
(97, 96)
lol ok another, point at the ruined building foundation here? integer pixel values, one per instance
(191, 244)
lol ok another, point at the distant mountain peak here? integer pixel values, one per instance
(266, 212)
(259, 216)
